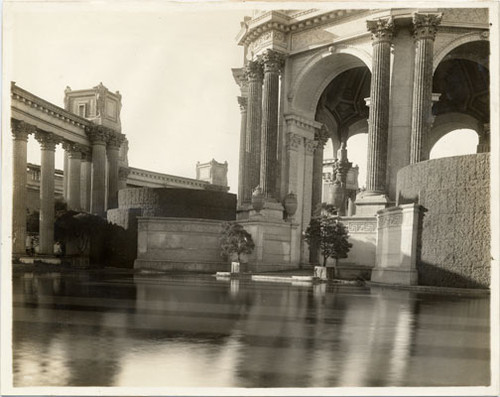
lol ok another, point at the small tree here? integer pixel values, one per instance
(329, 234)
(235, 240)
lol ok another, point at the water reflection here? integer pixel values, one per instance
(149, 330)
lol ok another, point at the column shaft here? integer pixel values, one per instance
(20, 132)
(98, 195)
(378, 123)
(48, 146)
(113, 152)
(269, 136)
(85, 183)
(425, 28)
(74, 179)
(253, 130)
(243, 102)
(65, 173)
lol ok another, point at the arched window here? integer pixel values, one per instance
(455, 143)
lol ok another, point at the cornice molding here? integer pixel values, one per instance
(302, 122)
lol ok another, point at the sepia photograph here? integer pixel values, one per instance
(250, 198)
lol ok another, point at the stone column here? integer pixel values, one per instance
(310, 146)
(48, 143)
(252, 147)
(98, 136)
(85, 181)
(424, 33)
(378, 122)
(74, 177)
(114, 143)
(20, 133)
(65, 173)
(272, 62)
(243, 102)
(321, 136)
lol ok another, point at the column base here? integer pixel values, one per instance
(368, 204)
(272, 211)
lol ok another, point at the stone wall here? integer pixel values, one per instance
(179, 244)
(455, 237)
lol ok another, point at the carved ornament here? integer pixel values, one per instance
(294, 141)
(21, 130)
(98, 133)
(321, 135)
(390, 220)
(254, 72)
(243, 102)
(425, 25)
(382, 29)
(361, 226)
(272, 61)
(115, 140)
(47, 140)
(310, 145)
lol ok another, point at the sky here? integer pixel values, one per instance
(172, 67)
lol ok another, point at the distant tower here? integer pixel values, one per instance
(212, 172)
(97, 104)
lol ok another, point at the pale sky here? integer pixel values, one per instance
(171, 65)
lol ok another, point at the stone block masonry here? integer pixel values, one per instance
(455, 237)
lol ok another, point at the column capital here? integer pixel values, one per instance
(74, 150)
(253, 71)
(243, 102)
(310, 145)
(115, 140)
(241, 78)
(21, 130)
(294, 141)
(123, 172)
(272, 61)
(98, 134)
(425, 25)
(47, 140)
(321, 135)
(382, 29)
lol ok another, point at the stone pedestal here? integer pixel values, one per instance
(396, 258)
(368, 204)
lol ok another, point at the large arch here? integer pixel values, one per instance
(448, 122)
(318, 72)
(447, 49)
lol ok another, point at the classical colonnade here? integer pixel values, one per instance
(91, 177)
(259, 105)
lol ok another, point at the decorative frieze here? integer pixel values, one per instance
(362, 226)
(390, 220)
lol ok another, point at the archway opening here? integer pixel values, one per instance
(455, 143)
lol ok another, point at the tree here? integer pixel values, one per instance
(329, 234)
(235, 240)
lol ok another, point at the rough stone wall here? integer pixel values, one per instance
(455, 231)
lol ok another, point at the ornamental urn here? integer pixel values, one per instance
(258, 199)
(290, 204)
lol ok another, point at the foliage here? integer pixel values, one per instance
(329, 234)
(77, 227)
(235, 240)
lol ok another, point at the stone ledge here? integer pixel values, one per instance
(432, 289)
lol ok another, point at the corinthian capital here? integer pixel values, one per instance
(272, 61)
(243, 102)
(321, 136)
(21, 130)
(382, 29)
(98, 133)
(425, 25)
(253, 71)
(115, 140)
(47, 140)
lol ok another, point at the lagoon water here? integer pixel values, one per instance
(113, 329)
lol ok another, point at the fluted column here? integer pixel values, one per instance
(243, 164)
(20, 133)
(378, 123)
(65, 172)
(253, 130)
(272, 62)
(48, 143)
(484, 139)
(85, 181)
(321, 136)
(74, 176)
(424, 33)
(98, 136)
(113, 147)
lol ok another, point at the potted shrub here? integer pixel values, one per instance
(329, 234)
(235, 240)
